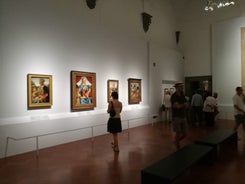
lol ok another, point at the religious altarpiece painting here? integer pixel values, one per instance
(134, 91)
(83, 90)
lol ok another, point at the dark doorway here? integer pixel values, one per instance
(194, 85)
(201, 83)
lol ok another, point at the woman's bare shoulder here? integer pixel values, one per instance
(118, 103)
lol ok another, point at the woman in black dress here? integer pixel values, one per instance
(114, 125)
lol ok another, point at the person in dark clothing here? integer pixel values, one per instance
(179, 106)
(196, 108)
(114, 125)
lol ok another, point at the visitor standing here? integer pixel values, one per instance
(179, 106)
(239, 112)
(167, 104)
(114, 125)
(196, 108)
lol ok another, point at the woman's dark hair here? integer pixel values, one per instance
(114, 95)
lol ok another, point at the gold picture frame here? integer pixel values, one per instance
(112, 85)
(134, 91)
(83, 90)
(39, 90)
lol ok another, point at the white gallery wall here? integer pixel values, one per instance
(195, 26)
(211, 45)
(226, 65)
(55, 37)
(163, 62)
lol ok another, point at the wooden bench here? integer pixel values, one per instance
(168, 169)
(218, 138)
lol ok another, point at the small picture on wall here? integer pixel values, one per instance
(39, 90)
(165, 91)
(172, 90)
(134, 91)
(83, 90)
(112, 85)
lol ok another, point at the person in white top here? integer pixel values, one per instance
(239, 112)
(216, 110)
(208, 108)
(167, 103)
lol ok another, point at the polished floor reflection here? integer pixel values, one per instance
(84, 162)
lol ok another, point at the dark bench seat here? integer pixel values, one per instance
(217, 138)
(168, 169)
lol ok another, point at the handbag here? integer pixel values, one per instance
(112, 111)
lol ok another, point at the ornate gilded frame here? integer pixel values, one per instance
(83, 90)
(134, 91)
(112, 85)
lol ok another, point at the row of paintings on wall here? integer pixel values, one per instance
(83, 90)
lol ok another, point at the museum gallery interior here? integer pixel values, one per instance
(60, 61)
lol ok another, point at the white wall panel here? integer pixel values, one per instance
(55, 37)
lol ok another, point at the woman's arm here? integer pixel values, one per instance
(109, 107)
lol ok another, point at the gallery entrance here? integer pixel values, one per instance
(202, 83)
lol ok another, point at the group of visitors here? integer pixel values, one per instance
(179, 106)
(206, 105)
(202, 108)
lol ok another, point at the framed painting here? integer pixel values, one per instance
(134, 91)
(39, 90)
(83, 90)
(112, 85)
(172, 90)
(165, 91)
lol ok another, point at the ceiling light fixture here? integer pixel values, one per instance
(212, 4)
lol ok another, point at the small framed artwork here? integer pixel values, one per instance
(134, 91)
(112, 85)
(171, 91)
(83, 90)
(39, 90)
(166, 90)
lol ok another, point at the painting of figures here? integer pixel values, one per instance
(39, 90)
(112, 85)
(134, 91)
(83, 90)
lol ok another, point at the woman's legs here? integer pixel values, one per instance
(115, 142)
(115, 138)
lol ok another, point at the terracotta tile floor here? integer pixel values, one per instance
(84, 162)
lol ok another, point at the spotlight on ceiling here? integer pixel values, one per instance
(212, 4)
